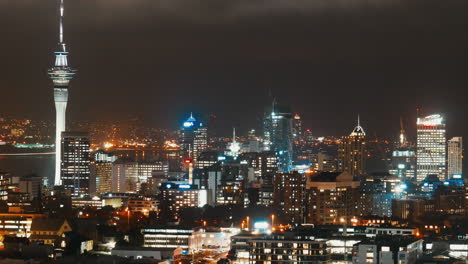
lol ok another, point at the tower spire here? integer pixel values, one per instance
(233, 134)
(402, 134)
(358, 120)
(61, 22)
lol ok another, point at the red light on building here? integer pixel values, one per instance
(188, 161)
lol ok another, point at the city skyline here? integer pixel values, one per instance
(234, 132)
(193, 81)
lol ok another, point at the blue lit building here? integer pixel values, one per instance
(193, 138)
(278, 135)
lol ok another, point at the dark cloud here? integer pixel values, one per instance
(330, 59)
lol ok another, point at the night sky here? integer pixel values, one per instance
(158, 59)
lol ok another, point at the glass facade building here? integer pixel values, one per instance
(431, 147)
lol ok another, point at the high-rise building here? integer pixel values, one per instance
(377, 193)
(61, 74)
(332, 197)
(431, 147)
(175, 197)
(326, 162)
(128, 175)
(455, 156)
(278, 135)
(193, 138)
(75, 163)
(101, 170)
(289, 195)
(403, 158)
(297, 127)
(352, 152)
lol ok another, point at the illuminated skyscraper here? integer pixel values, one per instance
(455, 156)
(403, 158)
(76, 163)
(297, 127)
(431, 147)
(278, 135)
(61, 74)
(352, 152)
(194, 138)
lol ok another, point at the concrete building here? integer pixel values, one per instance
(31, 184)
(455, 157)
(388, 250)
(289, 195)
(332, 197)
(288, 248)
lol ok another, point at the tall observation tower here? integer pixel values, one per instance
(61, 74)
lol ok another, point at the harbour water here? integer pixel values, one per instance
(42, 165)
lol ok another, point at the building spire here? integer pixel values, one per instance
(233, 134)
(358, 121)
(402, 134)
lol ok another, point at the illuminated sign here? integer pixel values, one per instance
(188, 124)
(221, 158)
(431, 120)
(184, 186)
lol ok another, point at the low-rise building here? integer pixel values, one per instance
(173, 238)
(388, 250)
(49, 231)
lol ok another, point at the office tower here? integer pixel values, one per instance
(308, 137)
(101, 170)
(289, 195)
(31, 184)
(278, 135)
(404, 163)
(352, 152)
(128, 175)
(377, 193)
(403, 158)
(174, 197)
(76, 163)
(326, 162)
(332, 197)
(170, 238)
(61, 74)
(264, 163)
(455, 156)
(431, 147)
(297, 128)
(193, 138)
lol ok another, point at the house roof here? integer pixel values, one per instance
(47, 224)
